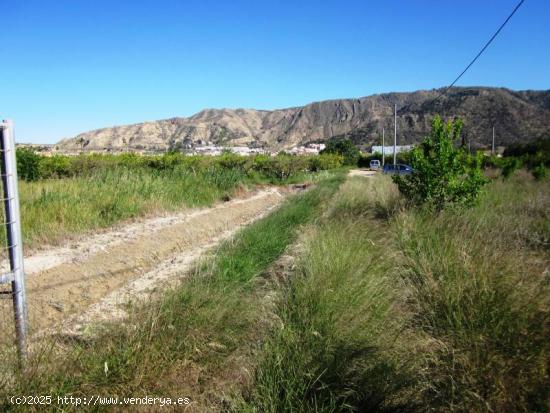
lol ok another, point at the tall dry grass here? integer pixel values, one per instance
(187, 342)
(55, 209)
(398, 309)
(340, 317)
(480, 294)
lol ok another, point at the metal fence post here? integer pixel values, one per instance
(13, 233)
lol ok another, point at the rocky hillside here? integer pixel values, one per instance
(518, 116)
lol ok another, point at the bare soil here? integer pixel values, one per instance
(363, 172)
(94, 279)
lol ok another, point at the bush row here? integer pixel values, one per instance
(32, 166)
(534, 156)
(537, 163)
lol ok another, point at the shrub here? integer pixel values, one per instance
(281, 167)
(509, 166)
(539, 146)
(403, 157)
(539, 172)
(230, 160)
(325, 161)
(443, 174)
(284, 166)
(491, 161)
(57, 166)
(27, 164)
(344, 147)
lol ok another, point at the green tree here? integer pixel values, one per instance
(539, 172)
(443, 174)
(28, 163)
(344, 147)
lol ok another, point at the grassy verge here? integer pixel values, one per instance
(395, 310)
(53, 210)
(335, 350)
(480, 294)
(191, 340)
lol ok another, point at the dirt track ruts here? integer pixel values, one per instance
(99, 277)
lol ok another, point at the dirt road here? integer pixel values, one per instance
(363, 172)
(91, 280)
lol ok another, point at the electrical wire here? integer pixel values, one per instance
(481, 51)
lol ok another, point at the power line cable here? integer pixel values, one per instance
(482, 50)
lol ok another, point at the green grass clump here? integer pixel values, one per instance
(392, 309)
(53, 210)
(539, 172)
(480, 294)
(179, 344)
(334, 349)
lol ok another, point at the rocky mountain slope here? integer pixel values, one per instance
(518, 116)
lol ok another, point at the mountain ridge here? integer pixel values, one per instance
(518, 116)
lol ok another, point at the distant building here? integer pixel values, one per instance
(245, 150)
(208, 150)
(388, 150)
(309, 149)
(214, 150)
(318, 146)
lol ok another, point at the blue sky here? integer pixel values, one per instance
(69, 66)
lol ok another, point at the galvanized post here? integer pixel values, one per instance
(13, 232)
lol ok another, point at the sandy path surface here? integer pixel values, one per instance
(362, 172)
(91, 280)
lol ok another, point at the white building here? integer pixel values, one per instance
(208, 150)
(309, 149)
(388, 150)
(214, 150)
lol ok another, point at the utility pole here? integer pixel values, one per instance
(493, 144)
(383, 148)
(395, 135)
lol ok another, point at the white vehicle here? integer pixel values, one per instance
(375, 164)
